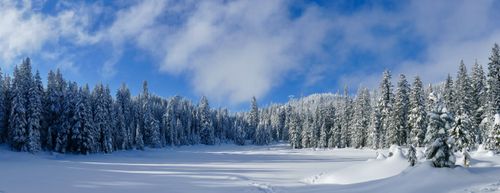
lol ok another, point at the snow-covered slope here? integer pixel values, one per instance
(229, 168)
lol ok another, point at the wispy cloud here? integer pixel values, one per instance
(232, 50)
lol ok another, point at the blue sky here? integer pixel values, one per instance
(233, 50)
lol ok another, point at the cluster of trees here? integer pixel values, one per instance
(462, 113)
(66, 117)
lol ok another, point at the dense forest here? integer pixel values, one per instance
(69, 118)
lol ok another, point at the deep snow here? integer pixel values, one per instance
(242, 169)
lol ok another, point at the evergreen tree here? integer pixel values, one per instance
(493, 139)
(412, 156)
(328, 125)
(17, 129)
(375, 131)
(345, 120)
(124, 124)
(439, 121)
(294, 131)
(239, 138)
(449, 95)
(493, 80)
(401, 110)
(362, 109)
(6, 95)
(207, 128)
(460, 135)
(253, 119)
(62, 131)
(262, 134)
(385, 106)
(417, 117)
(82, 129)
(35, 114)
(3, 112)
(465, 130)
(102, 122)
(479, 99)
(440, 154)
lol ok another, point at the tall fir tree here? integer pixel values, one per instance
(493, 80)
(449, 94)
(82, 129)
(465, 129)
(479, 99)
(385, 105)
(253, 118)
(35, 114)
(18, 135)
(361, 118)
(400, 131)
(345, 120)
(417, 115)
(207, 128)
(3, 112)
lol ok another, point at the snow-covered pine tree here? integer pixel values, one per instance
(124, 118)
(439, 121)
(440, 153)
(479, 99)
(206, 126)
(139, 142)
(83, 127)
(493, 139)
(330, 124)
(493, 80)
(464, 131)
(253, 119)
(385, 105)
(169, 123)
(449, 97)
(401, 109)
(6, 103)
(294, 130)
(374, 132)
(17, 129)
(239, 133)
(345, 119)
(361, 118)
(417, 115)
(67, 121)
(102, 124)
(151, 129)
(35, 113)
(262, 134)
(492, 120)
(462, 138)
(412, 155)
(178, 127)
(3, 125)
(306, 134)
(439, 150)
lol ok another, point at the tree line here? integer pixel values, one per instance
(64, 117)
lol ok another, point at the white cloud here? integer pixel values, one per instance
(449, 31)
(25, 30)
(20, 32)
(232, 50)
(238, 49)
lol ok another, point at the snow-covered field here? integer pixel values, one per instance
(229, 168)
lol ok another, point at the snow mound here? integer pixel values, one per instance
(363, 172)
(380, 156)
(483, 152)
(420, 154)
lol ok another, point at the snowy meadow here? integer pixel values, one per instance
(231, 168)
